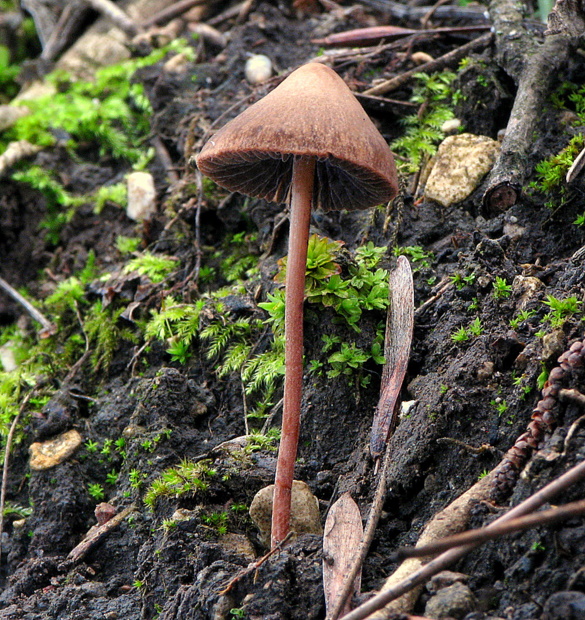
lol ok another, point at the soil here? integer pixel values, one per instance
(142, 570)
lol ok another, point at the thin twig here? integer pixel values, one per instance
(447, 558)
(96, 534)
(5, 468)
(165, 15)
(368, 537)
(535, 519)
(254, 566)
(115, 14)
(48, 327)
(432, 66)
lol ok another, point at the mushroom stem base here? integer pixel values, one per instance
(300, 215)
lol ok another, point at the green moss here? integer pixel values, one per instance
(186, 479)
(433, 93)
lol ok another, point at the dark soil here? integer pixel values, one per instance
(143, 571)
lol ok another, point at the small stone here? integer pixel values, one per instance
(451, 126)
(104, 512)
(525, 287)
(238, 543)
(258, 69)
(47, 454)
(7, 360)
(304, 517)
(567, 605)
(454, 601)
(444, 579)
(141, 196)
(553, 344)
(485, 371)
(461, 163)
(420, 58)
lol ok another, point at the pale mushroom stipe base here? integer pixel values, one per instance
(308, 142)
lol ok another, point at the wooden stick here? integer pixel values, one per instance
(429, 67)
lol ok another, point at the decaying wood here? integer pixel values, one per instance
(342, 535)
(410, 13)
(402, 588)
(96, 534)
(533, 66)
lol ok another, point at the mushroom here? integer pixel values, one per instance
(308, 141)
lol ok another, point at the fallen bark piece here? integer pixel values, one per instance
(343, 534)
(461, 163)
(96, 534)
(47, 454)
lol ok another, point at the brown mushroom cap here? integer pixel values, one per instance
(310, 114)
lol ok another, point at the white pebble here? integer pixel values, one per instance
(258, 68)
(141, 196)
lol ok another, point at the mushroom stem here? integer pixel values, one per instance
(300, 215)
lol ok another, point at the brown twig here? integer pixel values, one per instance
(48, 327)
(536, 519)
(115, 14)
(430, 67)
(447, 558)
(255, 565)
(368, 537)
(5, 468)
(426, 18)
(165, 15)
(96, 534)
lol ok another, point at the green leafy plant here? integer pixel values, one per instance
(460, 335)
(560, 310)
(96, 491)
(522, 317)
(217, 520)
(502, 289)
(417, 254)
(476, 328)
(153, 266)
(127, 245)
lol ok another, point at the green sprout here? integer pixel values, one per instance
(501, 288)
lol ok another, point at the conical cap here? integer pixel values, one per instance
(310, 114)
